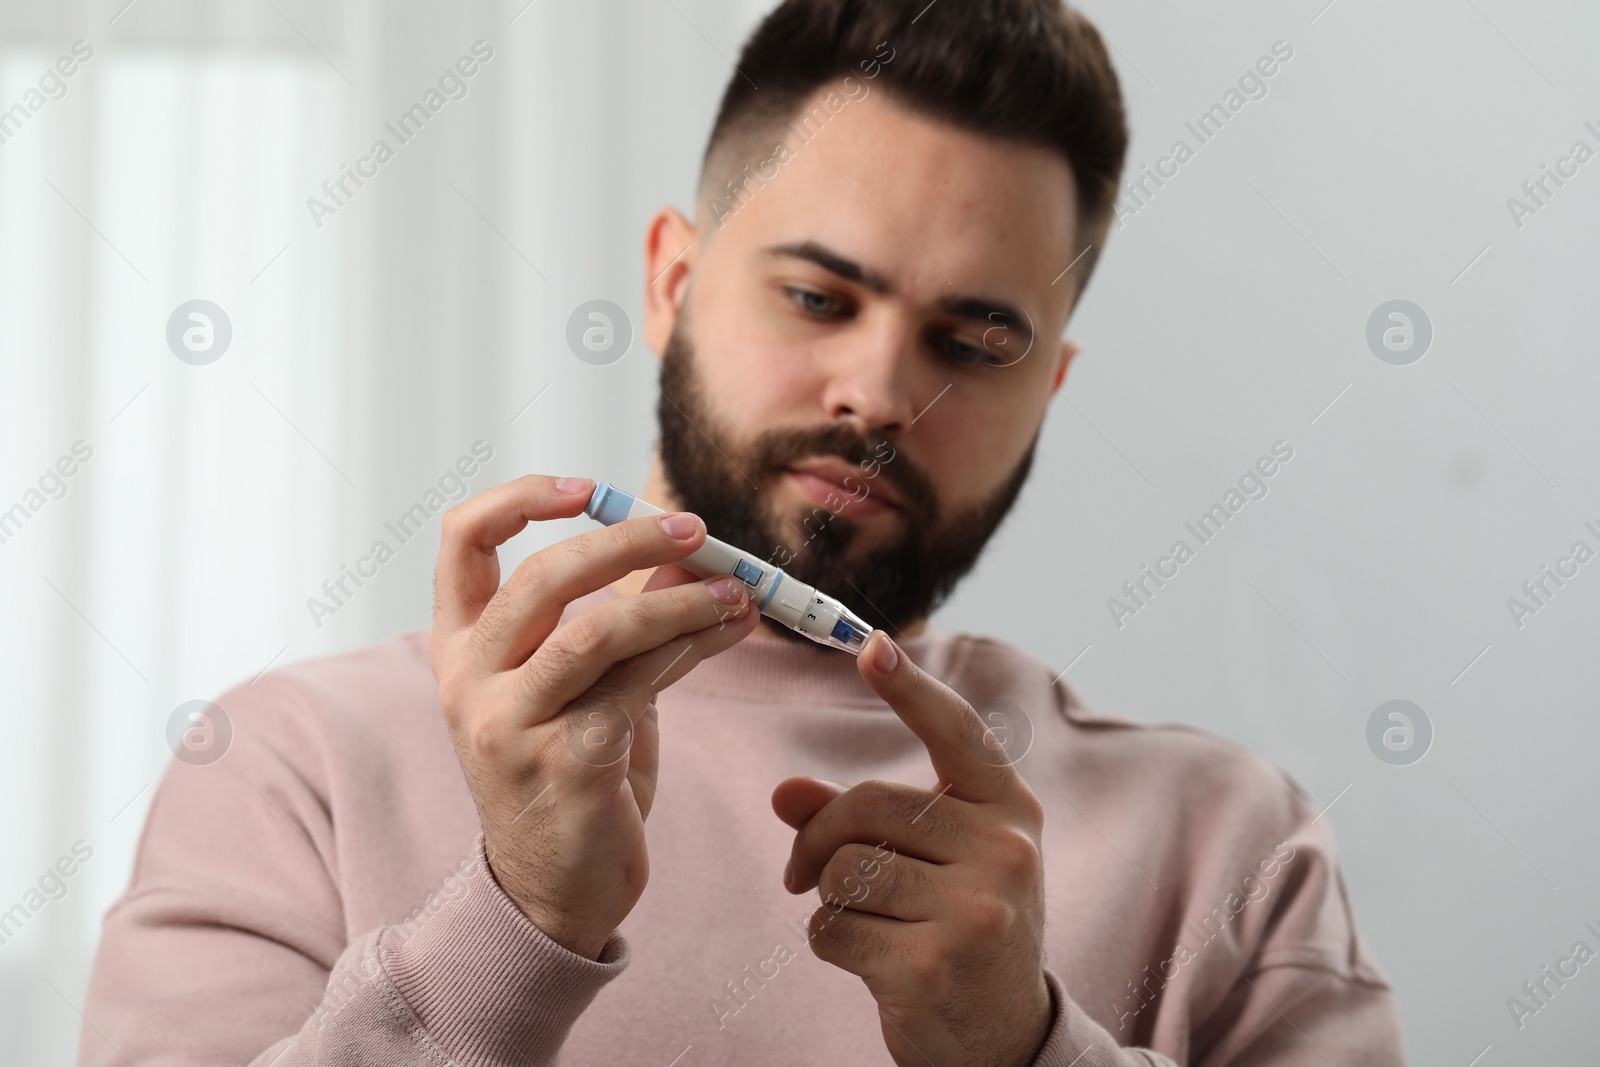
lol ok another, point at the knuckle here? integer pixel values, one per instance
(900, 883)
(998, 774)
(531, 683)
(633, 538)
(822, 934)
(588, 636)
(921, 806)
(831, 879)
(644, 613)
(856, 872)
(866, 862)
(935, 818)
(537, 678)
(1015, 855)
(451, 521)
(533, 572)
(883, 885)
(453, 686)
(596, 732)
(488, 632)
(913, 682)
(1032, 808)
(971, 730)
(485, 739)
(837, 936)
(872, 795)
(581, 547)
(555, 744)
(925, 968)
(988, 916)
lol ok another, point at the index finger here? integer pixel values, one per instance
(468, 572)
(963, 751)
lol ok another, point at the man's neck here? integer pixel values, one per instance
(661, 495)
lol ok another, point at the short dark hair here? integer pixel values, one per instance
(1034, 71)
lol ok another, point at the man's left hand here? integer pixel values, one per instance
(933, 897)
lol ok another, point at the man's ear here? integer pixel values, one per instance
(1068, 350)
(669, 254)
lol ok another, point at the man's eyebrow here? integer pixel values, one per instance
(834, 263)
(976, 308)
(988, 312)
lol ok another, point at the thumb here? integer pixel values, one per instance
(796, 800)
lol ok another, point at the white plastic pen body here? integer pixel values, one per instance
(776, 595)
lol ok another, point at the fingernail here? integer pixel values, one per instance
(727, 590)
(886, 657)
(679, 525)
(788, 874)
(574, 485)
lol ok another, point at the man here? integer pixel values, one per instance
(603, 811)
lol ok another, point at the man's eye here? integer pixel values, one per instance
(967, 355)
(814, 303)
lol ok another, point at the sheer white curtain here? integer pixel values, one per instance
(371, 348)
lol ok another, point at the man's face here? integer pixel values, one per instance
(856, 361)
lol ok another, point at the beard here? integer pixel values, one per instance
(890, 584)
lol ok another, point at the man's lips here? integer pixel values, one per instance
(842, 488)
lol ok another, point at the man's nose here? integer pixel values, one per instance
(868, 379)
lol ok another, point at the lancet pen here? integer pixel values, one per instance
(777, 595)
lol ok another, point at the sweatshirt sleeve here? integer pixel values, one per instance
(229, 946)
(474, 983)
(1316, 1018)
(1306, 994)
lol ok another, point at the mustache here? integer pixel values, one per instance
(777, 449)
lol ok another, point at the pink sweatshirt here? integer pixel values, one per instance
(320, 894)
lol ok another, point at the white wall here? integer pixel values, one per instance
(1226, 314)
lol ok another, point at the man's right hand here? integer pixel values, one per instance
(556, 727)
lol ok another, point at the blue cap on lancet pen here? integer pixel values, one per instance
(608, 504)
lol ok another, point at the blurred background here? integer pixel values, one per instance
(170, 504)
